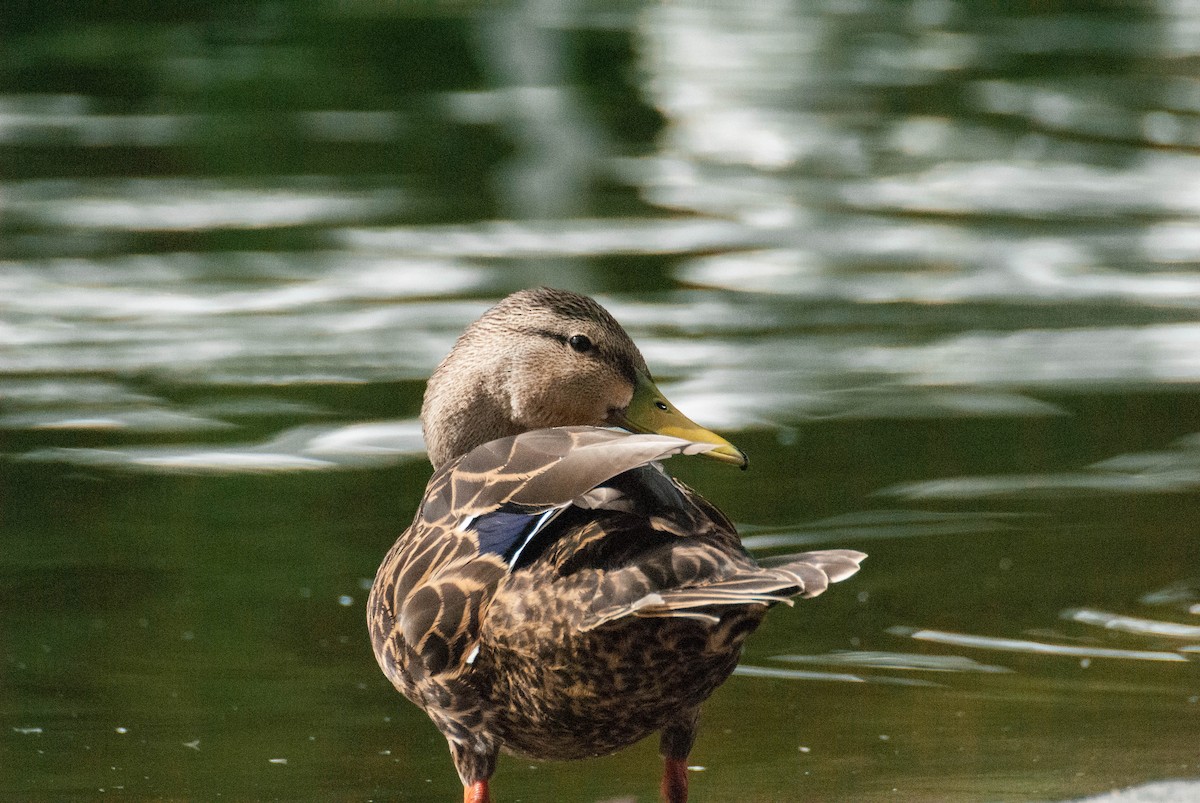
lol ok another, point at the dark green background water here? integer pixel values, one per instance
(934, 265)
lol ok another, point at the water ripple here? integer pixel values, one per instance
(1132, 624)
(1172, 470)
(1032, 647)
(306, 448)
(779, 673)
(577, 237)
(1157, 792)
(1042, 191)
(944, 265)
(876, 524)
(193, 204)
(896, 660)
(125, 420)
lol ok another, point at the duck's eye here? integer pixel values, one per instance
(580, 343)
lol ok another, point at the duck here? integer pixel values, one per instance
(558, 595)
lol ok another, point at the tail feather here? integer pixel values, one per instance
(805, 575)
(833, 565)
(838, 564)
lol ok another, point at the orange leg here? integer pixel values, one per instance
(674, 787)
(477, 793)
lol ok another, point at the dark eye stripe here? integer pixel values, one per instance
(547, 334)
(564, 339)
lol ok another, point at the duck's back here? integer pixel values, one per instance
(582, 652)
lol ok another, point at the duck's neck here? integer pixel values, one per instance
(463, 409)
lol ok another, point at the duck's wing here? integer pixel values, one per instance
(477, 517)
(649, 546)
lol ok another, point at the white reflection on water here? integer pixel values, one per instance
(192, 204)
(896, 660)
(781, 673)
(1148, 355)
(72, 119)
(24, 393)
(1032, 647)
(1157, 792)
(1170, 470)
(944, 265)
(229, 318)
(1132, 624)
(877, 524)
(577, 237)
(304, 448)
(168, 286)
(32, 119)
(774, 379)
(1176, 594)
(125, 420)
(1158, 184)
(84, 340)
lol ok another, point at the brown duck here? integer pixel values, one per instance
(558, 596)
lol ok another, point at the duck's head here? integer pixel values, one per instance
(547, 358)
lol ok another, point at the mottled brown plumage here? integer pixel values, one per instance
(558, 596)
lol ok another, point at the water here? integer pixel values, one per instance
(933, 265)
